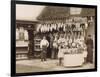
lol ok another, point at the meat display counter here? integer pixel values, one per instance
(74, 58)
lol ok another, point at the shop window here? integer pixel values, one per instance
(21, 34)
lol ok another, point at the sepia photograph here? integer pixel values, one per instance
(54, 38)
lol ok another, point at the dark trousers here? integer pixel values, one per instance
(43, 56)
(60, 61)
(90, 55)
(54, 53)
(44, 53)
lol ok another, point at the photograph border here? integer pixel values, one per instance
(13, 37)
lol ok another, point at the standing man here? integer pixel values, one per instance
(61, 44)
(55, 49)
(43, 45)
(89, 43)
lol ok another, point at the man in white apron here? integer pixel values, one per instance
(43, 45)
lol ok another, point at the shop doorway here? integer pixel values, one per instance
(49, 50)
(31, 44)
(33, 51)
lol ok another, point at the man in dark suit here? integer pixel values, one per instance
(89, 43)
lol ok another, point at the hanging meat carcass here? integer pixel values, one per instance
(42, 28)
(86, 25)
(38, 27)
(58, 26)
(64, 29)
(47, 28)
(51, 27)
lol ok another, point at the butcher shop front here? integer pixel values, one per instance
(64, 30)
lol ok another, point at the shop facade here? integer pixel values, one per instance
(54, 23)
(74, 25)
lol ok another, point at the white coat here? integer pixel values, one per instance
(44, 43)
(61, 53)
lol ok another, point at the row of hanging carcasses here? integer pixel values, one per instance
(64, 26)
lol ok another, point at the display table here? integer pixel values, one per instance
(71, 60)
(74, 57)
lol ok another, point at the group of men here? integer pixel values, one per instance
(44, 45)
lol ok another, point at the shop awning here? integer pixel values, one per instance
(54, 12)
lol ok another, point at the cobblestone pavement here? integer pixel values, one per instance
(36, 65)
